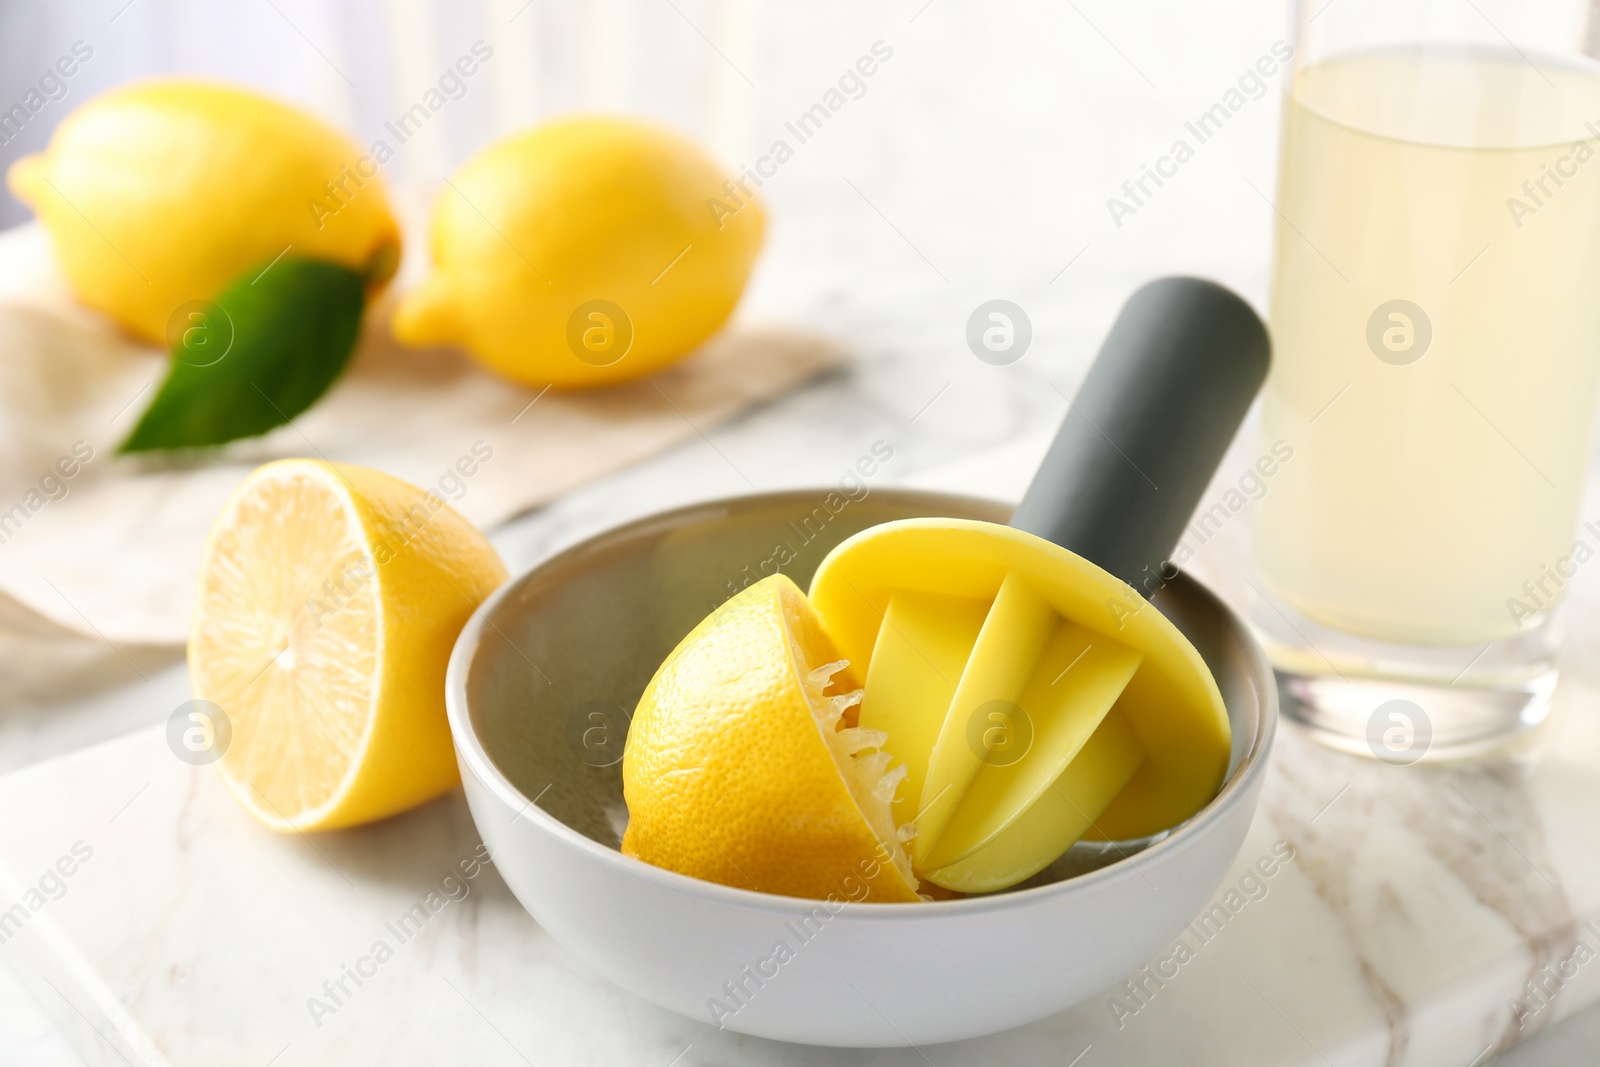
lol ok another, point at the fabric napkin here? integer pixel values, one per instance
(107, 546)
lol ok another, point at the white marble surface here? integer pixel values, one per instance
(1419, 900)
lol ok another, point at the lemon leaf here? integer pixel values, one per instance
(264, 351)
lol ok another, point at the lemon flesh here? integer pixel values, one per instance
(329, 600)
(584, 252)
(743, 764)
(1034, 698)
(165, 191)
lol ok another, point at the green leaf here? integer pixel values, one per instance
(256, 357)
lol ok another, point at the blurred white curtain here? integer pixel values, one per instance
(363, 63)
(988, 141)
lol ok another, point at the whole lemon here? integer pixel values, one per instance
(584, 252)
(164, 191)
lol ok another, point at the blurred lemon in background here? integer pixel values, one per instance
(163, 192)
(584, 252)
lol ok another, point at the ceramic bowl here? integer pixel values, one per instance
(539, 690)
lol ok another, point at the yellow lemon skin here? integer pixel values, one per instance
(164, 191)
(578, 210)
(734, 772)
(329, 600)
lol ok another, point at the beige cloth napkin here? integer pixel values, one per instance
(110, 552)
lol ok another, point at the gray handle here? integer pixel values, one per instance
(1148, 427)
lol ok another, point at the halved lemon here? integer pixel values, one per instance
(329, 599)
(744, 765)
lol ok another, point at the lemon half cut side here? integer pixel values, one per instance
(329, 599)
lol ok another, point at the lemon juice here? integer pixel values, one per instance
(1437, 341)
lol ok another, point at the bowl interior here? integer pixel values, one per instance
(567, 649)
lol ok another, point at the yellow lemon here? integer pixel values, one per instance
(584, 252)
(163, 192)
(743, 766)
(329, 599)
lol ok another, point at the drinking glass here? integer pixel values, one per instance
(1436, 327)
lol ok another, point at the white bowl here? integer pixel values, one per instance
(539, 688)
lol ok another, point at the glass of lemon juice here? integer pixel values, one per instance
(1436, 325)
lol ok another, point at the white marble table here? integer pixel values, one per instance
(1418, 902)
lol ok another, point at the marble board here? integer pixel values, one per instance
(1417, 915)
